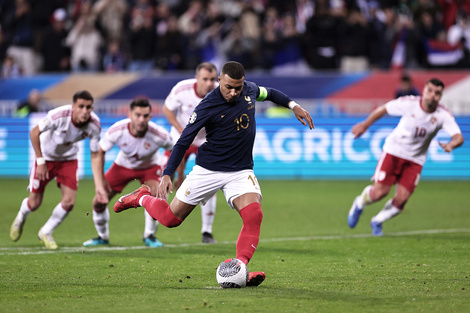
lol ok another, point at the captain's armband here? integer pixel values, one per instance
(263, 94)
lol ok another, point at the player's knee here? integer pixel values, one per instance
(252, 215)
(68, 206)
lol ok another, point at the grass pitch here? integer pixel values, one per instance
(313, 261)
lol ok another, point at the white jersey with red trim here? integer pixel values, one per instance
(59, 136)
(183, 99)
(411, 138)
(136, 152)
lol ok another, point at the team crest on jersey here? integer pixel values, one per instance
(250, 104)
(147, 145)
(192, 118)
(433, 120)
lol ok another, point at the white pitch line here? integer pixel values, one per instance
(41, 250)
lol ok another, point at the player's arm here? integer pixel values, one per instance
(196, 122)
(361, 127)
(280, 98)
(41, 171)
(97, 167)
(457, 141)
(171, 117)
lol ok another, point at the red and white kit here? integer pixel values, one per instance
(135, 152)
(59, 136)
(411, 138)
(183, 99)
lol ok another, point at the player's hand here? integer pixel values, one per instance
(165, 187)
(41, 172)
(359, 129)
(102, 193)
(303, 116)
(446, 146)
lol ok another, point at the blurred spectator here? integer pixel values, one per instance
(321, 37)
(355, 40)
(406, 87)
(171, 46)
(110, 16)
(460, 33)
(304, 11)
(11, 69)
(238, 48)
(19, 25)
(450, 8)
(382, 35)
(289, 58)
(85, 42)
(114, 59)
(270, 40)
(142, 37)
(190, 25)
(30, 105)
(3, 45)
(56, 55)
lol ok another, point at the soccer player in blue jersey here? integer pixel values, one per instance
(224, 162)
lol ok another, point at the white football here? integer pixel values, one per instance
(232, 273)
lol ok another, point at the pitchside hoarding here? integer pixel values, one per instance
(284, 149)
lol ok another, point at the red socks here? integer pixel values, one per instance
(160, 210)
(249, 235)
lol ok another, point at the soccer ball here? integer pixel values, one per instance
(232, 273)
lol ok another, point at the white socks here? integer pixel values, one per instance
(58, 215)
(24, 210)
(151, 225)
(364, 199)
(208, 214)
(387, 213)
(101, 220)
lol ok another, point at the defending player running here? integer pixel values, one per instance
(224, 162)
(54, 140)
(404, 151)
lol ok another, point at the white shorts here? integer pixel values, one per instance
(201, 184)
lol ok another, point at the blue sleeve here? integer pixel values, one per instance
(274, 95)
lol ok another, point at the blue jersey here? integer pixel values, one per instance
(230, 132)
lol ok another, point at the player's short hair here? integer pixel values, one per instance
(141, 103)
(436, 82)
(82, 94)
(207, 66)
(233, 69)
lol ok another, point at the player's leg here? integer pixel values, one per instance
(409, 178)
(25, 209)
(151, 224)
(243, 193)
(31, 203)
(60, 212)
(68, 184)
(207, 215)
(117, 177)
(101, 221)
(392, 208)
(384, 179)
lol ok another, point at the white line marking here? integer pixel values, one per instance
(40, 250)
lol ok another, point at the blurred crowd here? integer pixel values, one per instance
(286, 37)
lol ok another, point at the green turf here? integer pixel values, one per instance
(313, 261)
